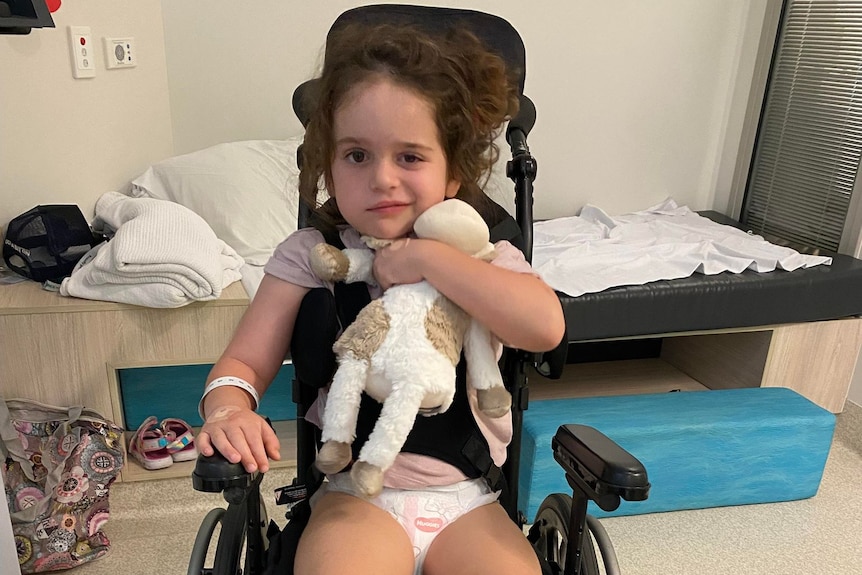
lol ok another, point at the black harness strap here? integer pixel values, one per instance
(507, 229)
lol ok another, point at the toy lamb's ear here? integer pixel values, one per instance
(456, 223)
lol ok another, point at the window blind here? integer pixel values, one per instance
(809, 141)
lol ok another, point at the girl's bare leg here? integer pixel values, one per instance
(349, 535)
(483, 541)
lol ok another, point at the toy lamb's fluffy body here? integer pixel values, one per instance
(402, 350)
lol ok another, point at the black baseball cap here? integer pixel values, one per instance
(46, 242)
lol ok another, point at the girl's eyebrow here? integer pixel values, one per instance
(347, 140)
(352, 141)
(416, 146)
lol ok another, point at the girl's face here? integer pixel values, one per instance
(389, 165)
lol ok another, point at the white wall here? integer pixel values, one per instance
(69, 141)
(636, 100)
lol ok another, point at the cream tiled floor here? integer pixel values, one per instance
(153, 525)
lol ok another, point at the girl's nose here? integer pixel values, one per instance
(384, 175)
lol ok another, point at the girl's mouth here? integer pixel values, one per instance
(385, 208)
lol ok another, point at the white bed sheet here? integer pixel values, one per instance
(594, 251)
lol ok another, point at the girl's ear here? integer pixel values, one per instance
(327, 181)
(452, 188)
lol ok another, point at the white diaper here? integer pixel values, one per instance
(422, 513)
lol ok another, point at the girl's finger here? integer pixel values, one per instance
(204, 444)
(271, 443)
(239, 442)
(224, 445)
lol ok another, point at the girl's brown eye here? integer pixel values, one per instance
(356, 156)
(411, 158)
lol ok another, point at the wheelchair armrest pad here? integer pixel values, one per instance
(214, 474)
(603, 464)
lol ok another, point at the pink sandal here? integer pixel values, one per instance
(181, 440)
(149, 446)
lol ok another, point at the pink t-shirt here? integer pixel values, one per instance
(290, 262)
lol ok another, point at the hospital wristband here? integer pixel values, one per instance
(233, 382)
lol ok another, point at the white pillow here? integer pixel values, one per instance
(246, 191)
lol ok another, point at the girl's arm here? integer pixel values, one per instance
(520, 309)
(255, 354)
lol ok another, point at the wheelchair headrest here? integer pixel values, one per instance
(304, 99)
(494, 32)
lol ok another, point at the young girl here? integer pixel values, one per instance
(403, 122)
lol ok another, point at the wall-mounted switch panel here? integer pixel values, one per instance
(83, 52)
(120, 53)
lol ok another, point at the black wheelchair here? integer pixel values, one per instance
(596, 468)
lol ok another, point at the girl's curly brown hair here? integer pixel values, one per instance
(469, 88)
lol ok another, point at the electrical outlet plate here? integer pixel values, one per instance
(120, 53)
(82, 51)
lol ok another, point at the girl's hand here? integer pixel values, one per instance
(241, 436)
(400, 262)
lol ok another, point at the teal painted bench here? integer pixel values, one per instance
(700, 449)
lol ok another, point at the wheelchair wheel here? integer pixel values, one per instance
(550, 535)
(229, 558)
(202, 542)
(230, 544)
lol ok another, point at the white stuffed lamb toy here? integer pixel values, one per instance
(402, 350)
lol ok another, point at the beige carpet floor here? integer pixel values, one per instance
(153, 526)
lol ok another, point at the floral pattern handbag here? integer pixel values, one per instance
(58, 466)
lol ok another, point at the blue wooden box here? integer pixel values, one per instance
(700, 449)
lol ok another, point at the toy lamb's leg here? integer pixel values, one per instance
(388, 436)
(340, 413)
(483, 373)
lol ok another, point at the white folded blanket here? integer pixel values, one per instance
(162, 255)
(594, 251)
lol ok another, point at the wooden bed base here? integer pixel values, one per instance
(816, 359)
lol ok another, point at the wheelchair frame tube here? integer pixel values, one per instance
(515, 377)
(577, 530)
(522, 170)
